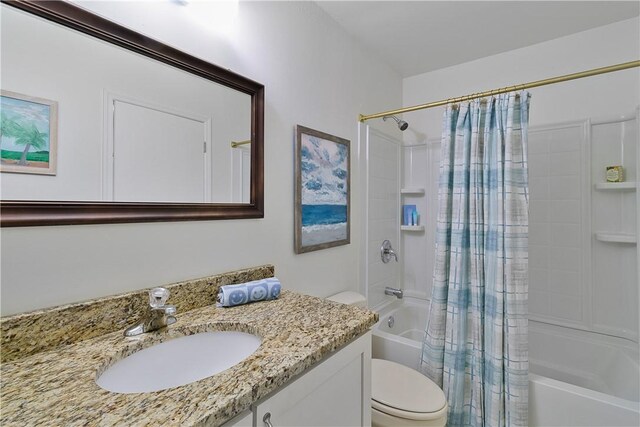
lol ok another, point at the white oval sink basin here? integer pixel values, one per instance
(179, 361)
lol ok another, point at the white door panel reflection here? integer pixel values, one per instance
(241, 173)
(158, 156)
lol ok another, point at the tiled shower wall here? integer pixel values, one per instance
(420, 169)
(576, 280)
(557, 223)
(614, 303)
(383, 217)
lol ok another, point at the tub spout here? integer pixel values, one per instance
(393, 291)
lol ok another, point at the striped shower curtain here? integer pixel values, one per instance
(475, 344)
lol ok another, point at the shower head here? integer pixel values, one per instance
(402, 125)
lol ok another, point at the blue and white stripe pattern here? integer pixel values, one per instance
(243, 293)
(475, 343)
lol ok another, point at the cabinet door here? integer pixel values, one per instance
(336, 392)
(245, 419)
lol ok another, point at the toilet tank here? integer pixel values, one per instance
(350, 298)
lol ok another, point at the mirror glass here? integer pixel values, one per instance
(128, 128)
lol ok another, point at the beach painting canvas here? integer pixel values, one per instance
(322, 190)
(27, 134)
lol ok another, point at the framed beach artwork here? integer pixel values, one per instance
(322, 200)
(28, 134)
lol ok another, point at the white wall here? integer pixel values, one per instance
(608, 94)
(315, 75)
(605, 95)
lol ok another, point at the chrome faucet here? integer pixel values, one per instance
(386, 252)
(393, 291)
(158, 315)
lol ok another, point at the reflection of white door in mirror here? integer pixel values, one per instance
(154, 154)
(241, 173)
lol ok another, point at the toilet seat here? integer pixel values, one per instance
(402, 392)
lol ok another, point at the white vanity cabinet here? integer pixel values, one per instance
(335, 392)
(244, 419)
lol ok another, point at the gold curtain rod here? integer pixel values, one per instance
(553, 80)
(235, 144)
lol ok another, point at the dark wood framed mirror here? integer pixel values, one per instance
(42, 211)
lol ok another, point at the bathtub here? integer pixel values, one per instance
(398, 337)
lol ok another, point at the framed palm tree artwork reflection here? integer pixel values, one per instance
(28, 134)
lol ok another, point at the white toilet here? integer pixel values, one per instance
(400, 396)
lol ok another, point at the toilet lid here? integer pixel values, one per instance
(401, 391)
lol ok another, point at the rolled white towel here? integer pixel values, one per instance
(243, 293)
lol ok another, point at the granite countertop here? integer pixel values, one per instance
(57, 386)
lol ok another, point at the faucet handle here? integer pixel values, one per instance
(169, 310)
(386, 252)
(158, 297)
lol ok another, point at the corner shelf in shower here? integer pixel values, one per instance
(617, 237)
(412, 227)
(412, 191)
(616, 185)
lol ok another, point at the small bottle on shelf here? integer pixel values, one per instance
(615, 174)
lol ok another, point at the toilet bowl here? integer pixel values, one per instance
(400, 396)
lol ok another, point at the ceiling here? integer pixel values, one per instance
(415, 37)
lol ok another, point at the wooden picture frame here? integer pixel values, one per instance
(322, 190)
(28, 134)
